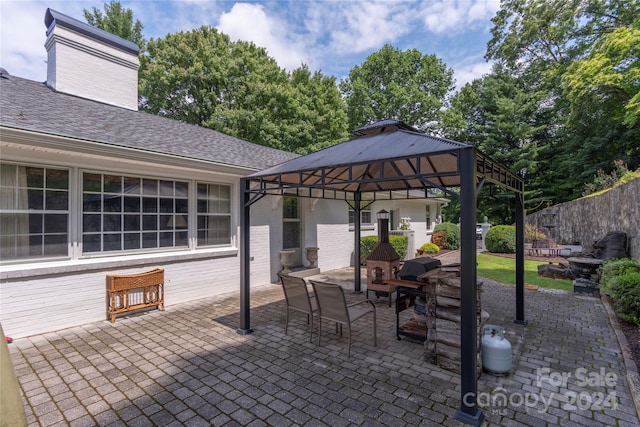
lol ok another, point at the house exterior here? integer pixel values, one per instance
(91, 186)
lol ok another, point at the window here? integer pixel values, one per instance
(214, 215)
(126, 213)
(365, 214)
(34, 212)
(290, 223)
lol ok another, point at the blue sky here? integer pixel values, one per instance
(331, 36)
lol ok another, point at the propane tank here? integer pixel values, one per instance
(496, 350)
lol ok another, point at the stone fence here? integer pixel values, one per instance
(589, 219)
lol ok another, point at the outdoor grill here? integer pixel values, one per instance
(413, 268)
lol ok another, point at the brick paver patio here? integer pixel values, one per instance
(189, 366)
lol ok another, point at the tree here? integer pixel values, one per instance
(321, 108)
(580, 57)
(407, 86)
(118, 21)
(204, 78)
(499, 115)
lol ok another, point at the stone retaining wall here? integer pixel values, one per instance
(589, 219)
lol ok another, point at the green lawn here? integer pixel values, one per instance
(503, 270)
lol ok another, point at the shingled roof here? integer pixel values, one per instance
(33, 106)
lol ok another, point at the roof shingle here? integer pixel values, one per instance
(29, 105)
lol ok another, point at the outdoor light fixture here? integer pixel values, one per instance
(382, 214)
(549, 217)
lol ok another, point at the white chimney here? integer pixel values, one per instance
(91, 63)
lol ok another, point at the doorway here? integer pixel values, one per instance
(291, 228)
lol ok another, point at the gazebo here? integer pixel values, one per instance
(388, 160)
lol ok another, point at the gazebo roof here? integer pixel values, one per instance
(385, 156)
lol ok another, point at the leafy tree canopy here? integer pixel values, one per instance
(117, 20)
(204, 78)
(405, 85)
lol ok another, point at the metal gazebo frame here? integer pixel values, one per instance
(391, 160)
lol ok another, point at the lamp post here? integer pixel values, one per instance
(549, 217)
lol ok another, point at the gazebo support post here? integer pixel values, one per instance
(245, 268)
(357, 198)
(520, 320)
(468, 413)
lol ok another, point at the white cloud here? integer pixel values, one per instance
(456, 15)
(467, 72)
(250, 22)
(361, 26)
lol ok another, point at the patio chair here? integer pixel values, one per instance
(297, 298)
(332, 305)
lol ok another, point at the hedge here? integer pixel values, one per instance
(501, 239)
(367, 243)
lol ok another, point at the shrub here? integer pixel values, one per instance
(451, 235)
(602, 181)
(439, 239)
(430, 248)
(625, 295)
(501, 239)
(367, 243)
(613, 268)
(531, 233)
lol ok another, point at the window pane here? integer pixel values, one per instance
(112, 184)
(111, 223)
(35, 245)
(58, 179)
(112, 242)
(132, 241)
(166, 188)
(182, 238)
(150, 222)
(166, 205)
(35, 177)
(36, 199)
(91, 203)
(150, 187)
(149, 204)
(36, 223)
(291, 235)
(132, 204)
(149, 240)
(56, 200)
(182, 205)
(132, 185)
(54, 223)
(91, 223)
(131, 222)
(166, 239)
(91, 243)
(111, 203)
(290, 207)
(182, 189)
(55, 245)
(91, 182)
